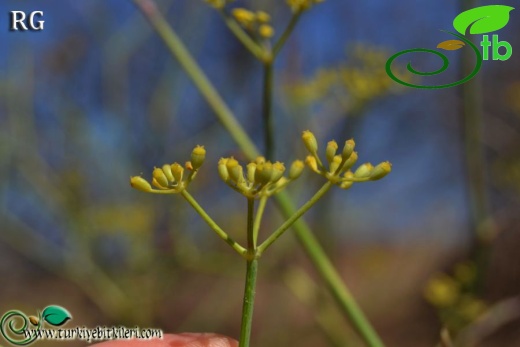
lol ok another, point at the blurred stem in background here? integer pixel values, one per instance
(268, 111)
(226, 117)
(481, 221)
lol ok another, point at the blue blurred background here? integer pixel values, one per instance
(96, 97)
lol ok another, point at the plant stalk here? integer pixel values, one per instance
(481, 219)
(258, 219)
(213, 225)
(243, 37)
(287, 32)
(267, 111)
(249, 302)
(289, 222)
(251, 271)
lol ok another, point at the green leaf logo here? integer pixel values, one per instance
(56, 315)
(483, 19)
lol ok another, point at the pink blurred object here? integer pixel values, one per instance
(178, 340)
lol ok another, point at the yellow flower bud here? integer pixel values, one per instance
(177, 171)
(262, 17)
(349, 174)
(198, 155)
(140, 183)
(157, 184)
(442, 290)
(302, 5)
(167, 169)
(218, 4)
(260, 160)
(222, 169)
(278, 170)
(312, 163)
(281, 183)
(346, 184)
(380, 171)
(348, 149)
(351, 161)
(296, 5)
(235, 170)
(334, 165)
(364, 170)
(160, 177)
(310, 142)
(251, 168)
(296, 169)
(263, 173)
(330, 152)
(266, 31)
(243, 16)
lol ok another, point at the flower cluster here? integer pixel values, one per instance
(254, 21)
(454, 297)
(262, 178)
(338, 171)
(171, 179)
(352, 85)
(302, 5)
(218, 4)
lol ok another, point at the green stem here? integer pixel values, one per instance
(288, 223)
(330, 276)
(287, 32)
(179, 51)
(243, 37)
(258, 218)
(267, 111)
(213, 225)
(481, 218)
(251, 242)
(251, 271)
(248, 304)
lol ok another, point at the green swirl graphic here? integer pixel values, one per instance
(445, 64)
(9, 320)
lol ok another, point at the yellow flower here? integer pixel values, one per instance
(262, 17)
(243, 16)
(364, 170)
(442, 290)
(140, 183)
(296, 169)
(168, 179)
(266, 31)
(198, 155)
(218, 4)
(309, 140)
(301, 5)
(330, 152)
(380, 171)
(262, 178)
